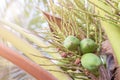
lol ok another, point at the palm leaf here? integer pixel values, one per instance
(29, 51)
(32, 37)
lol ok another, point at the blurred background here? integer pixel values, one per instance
(25, 14)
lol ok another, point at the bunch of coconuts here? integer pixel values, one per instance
(89, 59)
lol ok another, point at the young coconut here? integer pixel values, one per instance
(90, 61)
(88, 46)
(71, 43)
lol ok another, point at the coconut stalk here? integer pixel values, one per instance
(34, 69)
(58, 21)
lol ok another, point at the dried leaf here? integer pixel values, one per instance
(53, 19)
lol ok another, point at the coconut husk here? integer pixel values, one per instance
(112, 71)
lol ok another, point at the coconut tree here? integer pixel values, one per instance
(74, 45)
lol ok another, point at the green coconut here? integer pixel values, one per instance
(88, 46)
(71, 43)
(90, 61)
